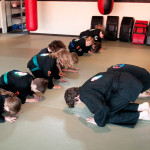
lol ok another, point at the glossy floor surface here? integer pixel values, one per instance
(49, 124)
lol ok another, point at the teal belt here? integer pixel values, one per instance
(5, 78)
(36, 64)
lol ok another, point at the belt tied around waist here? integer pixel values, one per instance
(36, 64)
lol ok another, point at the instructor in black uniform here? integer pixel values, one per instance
(110, 96)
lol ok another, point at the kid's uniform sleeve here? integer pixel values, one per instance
(48, 71)
(23, 95)
(102, 113)
(55, 72)
(22, 98)
(97, 106)
(87, 49)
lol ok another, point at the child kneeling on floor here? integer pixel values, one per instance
(45, 66)
(54, 46)
(81, 46)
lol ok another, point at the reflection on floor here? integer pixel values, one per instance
(50, 124)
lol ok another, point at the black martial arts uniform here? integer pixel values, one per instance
(44, 50)
(78, 46)
(140, 73)
(94, 33)
(44, 66)
(108, 96)
(17, 82)
(2, 101)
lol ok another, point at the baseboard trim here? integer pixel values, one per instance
(64, 35)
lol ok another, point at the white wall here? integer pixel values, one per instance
(0, 16)
(3, 16)
(70, 18)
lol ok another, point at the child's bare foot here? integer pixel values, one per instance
(144, 106)
(144, 115)
(90, 52)
(101, 50)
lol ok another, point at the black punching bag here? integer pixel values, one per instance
(105, 6)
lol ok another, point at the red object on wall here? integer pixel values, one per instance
(31, 15)
(139, 32)
(105, 6)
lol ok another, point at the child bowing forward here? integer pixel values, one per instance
(53, 47)
(23, 84)
(97, 35)
(11, 105)
(45, 65)
(81, 46)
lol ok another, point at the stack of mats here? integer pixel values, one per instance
(139, 32)
(126, 29)
(96, 20)
(111, 28)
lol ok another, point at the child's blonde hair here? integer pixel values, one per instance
(63, 57)
(89, 38)
(75, 57)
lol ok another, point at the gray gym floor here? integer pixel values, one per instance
(49, 124)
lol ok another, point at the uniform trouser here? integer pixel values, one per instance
(127, 116)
